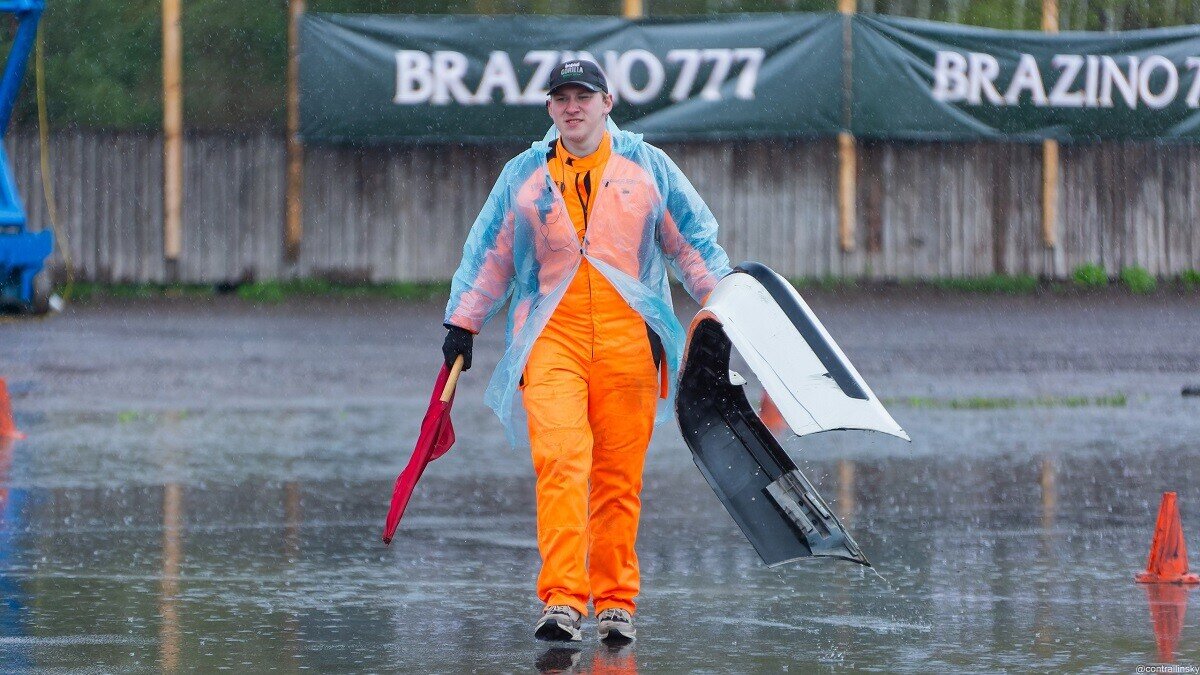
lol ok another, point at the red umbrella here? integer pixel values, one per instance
(437, 435)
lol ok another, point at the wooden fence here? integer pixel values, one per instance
(925, 210)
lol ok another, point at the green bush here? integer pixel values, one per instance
(1190, 279)
(1090, 275)
(1138, 280)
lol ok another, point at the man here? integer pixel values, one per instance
(579, 230)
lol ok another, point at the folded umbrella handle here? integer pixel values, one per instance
(452, 381)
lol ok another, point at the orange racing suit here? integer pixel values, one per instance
(578, 340)
(591, 384)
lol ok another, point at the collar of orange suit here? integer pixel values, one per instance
(577, 164)
(577, 178)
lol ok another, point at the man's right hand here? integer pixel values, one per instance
(458, 341)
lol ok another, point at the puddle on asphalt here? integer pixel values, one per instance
(172, 547)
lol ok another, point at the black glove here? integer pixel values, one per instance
(458, 341)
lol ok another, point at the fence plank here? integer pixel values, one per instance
(402, 213)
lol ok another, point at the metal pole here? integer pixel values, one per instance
(1050, 163)
(294, 225)
(172, 137)
(847, 148)
(633, 9)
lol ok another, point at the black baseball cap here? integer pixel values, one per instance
(578, 71)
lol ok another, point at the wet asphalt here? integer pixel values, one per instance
(205, 480)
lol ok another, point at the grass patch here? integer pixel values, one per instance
(277, 291)
(1005, 403)
(999, 284)
(1089, 275)
(828, 283)
(131, 416)
(82, 291)
(269, 292)
(1022, 284)
(1138, 280)
(262, 292)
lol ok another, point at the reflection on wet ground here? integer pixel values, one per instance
(162, 533)
(986, 563)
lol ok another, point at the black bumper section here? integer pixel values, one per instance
(762, 489)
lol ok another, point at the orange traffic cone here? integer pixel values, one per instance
(769, 414)
(1168, 554)
(8, 429)
(1168, 607)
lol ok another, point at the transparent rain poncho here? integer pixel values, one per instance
(646, 215)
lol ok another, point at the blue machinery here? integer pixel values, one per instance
(22, 253)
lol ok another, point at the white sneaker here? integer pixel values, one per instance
(558, 623)
(615, 626)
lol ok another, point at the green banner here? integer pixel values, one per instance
(375, 78)
(920, 80)
(369, 78)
